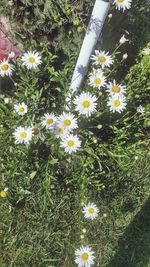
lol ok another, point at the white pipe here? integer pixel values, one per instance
(99, 13)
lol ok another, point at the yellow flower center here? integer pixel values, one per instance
(3, 194)
(21, 109)
(70, 143)
(86, 103)
(31, 59)
(101, 59)
(91, 210)
(85, 256)
(61, 131)
(35, 131)
(67, 122)
(50, 121)
(97, 81)
(23, 135)
(116, 89)
(120, 1)
(117, 103)
(4, 67)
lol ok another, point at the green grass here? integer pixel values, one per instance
(44, 230)
(133, 248)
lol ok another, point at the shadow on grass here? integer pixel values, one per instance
(134, 246)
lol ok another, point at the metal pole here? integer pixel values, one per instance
(99, 13)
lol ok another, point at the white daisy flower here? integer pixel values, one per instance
(23, 135)
(140, 109)
(146, 51)
(6, 68)
(115, 89)
(117, 103)
(60, 132)
(31, 59)
(49, 120)
(102, 58)
(122, 4)
(90, 211)
(123, 39)
(97, 79)
(70, 143)
(67, 121)
(85, 104)
(21, 109)
(84, 256)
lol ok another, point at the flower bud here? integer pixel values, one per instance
(11, 55)
(6, 100)
(99, 126)
(125, 56)
(4, 192)
(123, 40)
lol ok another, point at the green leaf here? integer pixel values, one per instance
(53, 161)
